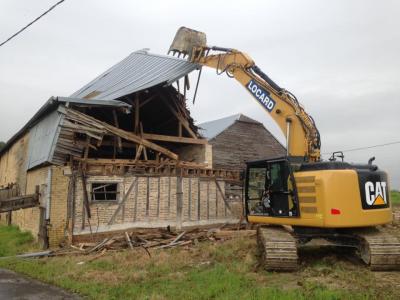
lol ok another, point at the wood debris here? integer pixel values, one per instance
(156, 239)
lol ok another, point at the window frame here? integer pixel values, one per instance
(105, 183)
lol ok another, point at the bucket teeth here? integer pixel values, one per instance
(186, 40)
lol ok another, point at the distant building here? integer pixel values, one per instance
(237, 139)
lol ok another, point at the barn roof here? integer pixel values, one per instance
(212, 128)
(139, 71)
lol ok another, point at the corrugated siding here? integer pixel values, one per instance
(41, 139)
(138, 71)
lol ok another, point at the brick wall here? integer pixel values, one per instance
(153, 202)
(58, 205)
(29, 218)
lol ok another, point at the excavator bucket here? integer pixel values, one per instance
(185, 40)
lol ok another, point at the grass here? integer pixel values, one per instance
(395, 197)
(13, 241)
(208, 270)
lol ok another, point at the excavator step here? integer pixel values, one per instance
(278, 249)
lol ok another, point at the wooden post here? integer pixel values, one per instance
(179, 200)
(136, 200)
(190, 199)
(147, 196)
(9, 218)
(116, 123)
(198, 198)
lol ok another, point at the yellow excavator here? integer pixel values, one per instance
(299, 197)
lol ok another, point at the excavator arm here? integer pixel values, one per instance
(302, 136)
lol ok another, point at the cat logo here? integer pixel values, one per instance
(375, 194)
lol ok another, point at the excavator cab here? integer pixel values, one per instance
(271, 189)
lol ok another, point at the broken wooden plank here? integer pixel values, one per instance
(180, 118)
(122, 133)
(19, 202)
(128, 239)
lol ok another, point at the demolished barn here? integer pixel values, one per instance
(115, 155)
(124, 152)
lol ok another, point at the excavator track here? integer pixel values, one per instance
(278, 249)
(379, 249)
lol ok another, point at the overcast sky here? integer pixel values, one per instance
(340, 58)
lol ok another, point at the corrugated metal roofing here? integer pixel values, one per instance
(138, 71)
(212, 128)
(42, 136)
(49, 106)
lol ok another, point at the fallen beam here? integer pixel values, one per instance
(174, 139)
(86, 119)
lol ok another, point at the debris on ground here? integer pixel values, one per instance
(147, 239)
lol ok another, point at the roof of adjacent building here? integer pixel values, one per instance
(212, 128)
(138, 71)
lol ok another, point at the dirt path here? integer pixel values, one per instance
(15, 286)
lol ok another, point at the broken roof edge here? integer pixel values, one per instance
(50, 105)
(138, 71)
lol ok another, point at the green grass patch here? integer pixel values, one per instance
(395, 197)
(209, 270)
(13, 241)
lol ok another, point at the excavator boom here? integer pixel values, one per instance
(302, 136)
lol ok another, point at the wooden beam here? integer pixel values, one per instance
(122, 133)
(179, 128)
(173, 139)
(19, 202)
(117, 125)
(223, 196)
(183, 121)
(131, 188)
(143, 103)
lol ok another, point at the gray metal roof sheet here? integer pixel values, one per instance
(212, 128)
(51, 105)
(139, 71)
